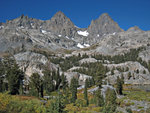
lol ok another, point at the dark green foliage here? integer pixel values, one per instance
(127, 69)
(86, 93)
(90, 82)
(96, 70)
(57, 78)
(120, 69)
(112, 72)
(129, 110)
(99, 81)
(54, 76)
(119, 84)
(48, 83)
(66, 94)
(11, 77)
(148, 65)
(57, 105)
(64, 81)
(129, 75)
(68, 62)
(14, 76)
(137, 71)
(132, 55)
(122, 79)
(73, 89)
(99, 98)
(144, 72)
(110, 101)
(36, 82)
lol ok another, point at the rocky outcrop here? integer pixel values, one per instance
(145, 54)
(134, 29)
(31, 62)
(80, 77)
(103, 89)
(131, 75)
(87, 60)
(122, 42)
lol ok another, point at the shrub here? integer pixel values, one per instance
(80, 103)
(12, 104)
(129, 110)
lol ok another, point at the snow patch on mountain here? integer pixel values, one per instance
(43, 31)
(86, 45)
(67, 37)
(1, 27)
(83, 33)
(114, 33)
(59, 35)
(80, 46)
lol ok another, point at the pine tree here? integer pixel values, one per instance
(112, 72)
(73, 89)
(57, 79)
(99, 98)
(110, 101)
(129, 75)
(122, 79)
(59, 104)
(48, 83)
(119, 86)
(37, 82)
(144, 72)
(137, 71)
(14, 76)
(1, 76)
(99, 81)
(64, 81)
(86, 93)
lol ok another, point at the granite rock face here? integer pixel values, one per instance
(131, 76)
(57, 33)
(119, 43)
(61, 25)
(80, 77)
(103, 25)
(145, 54)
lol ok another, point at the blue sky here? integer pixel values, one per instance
(126, 13)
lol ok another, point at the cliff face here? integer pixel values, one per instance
(103, 25)
(57, 33)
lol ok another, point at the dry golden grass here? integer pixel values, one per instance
(25, 97)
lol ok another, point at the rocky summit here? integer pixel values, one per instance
(34, 43)
(54, 34)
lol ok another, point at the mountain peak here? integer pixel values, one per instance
(135, 28)
(59, 14)
(105, 15)
(105, 18)
(23, 17)
(103, 25)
